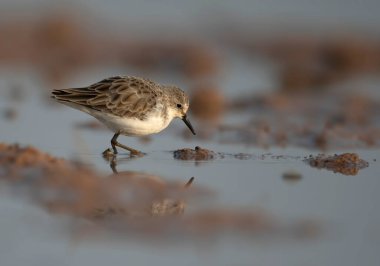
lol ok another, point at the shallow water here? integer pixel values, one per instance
(310, 216)
(340, 212)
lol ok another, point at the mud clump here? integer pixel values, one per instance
(198, 154)
(346, 163)
(15, 157)
(291, 176)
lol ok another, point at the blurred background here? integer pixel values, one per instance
(245, 55)
(271, 83)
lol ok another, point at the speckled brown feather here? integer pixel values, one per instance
(121, 96)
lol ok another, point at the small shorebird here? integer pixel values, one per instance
(129, 106)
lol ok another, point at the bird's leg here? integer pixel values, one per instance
(115, 143)
(188, 183)
(113, 165)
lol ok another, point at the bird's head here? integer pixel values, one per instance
(178, 105)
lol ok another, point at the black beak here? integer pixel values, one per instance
(188, 124)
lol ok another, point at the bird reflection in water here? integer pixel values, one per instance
(160, 206)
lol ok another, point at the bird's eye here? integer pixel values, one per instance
(179, 105)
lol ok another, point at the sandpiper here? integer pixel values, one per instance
(129, 106)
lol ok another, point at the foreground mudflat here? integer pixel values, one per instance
(126, 201)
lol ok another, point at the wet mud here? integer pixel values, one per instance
(346, 163)
(196, 154)
(127, 200)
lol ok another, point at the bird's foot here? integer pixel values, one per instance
(136, 153)
(109, 154)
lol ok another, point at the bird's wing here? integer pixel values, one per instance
(120, 96)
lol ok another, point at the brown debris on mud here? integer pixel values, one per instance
(346, 163)
(14, 158)
(291, 176)
(197, 154)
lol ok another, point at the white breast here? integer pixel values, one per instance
(134, 126)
